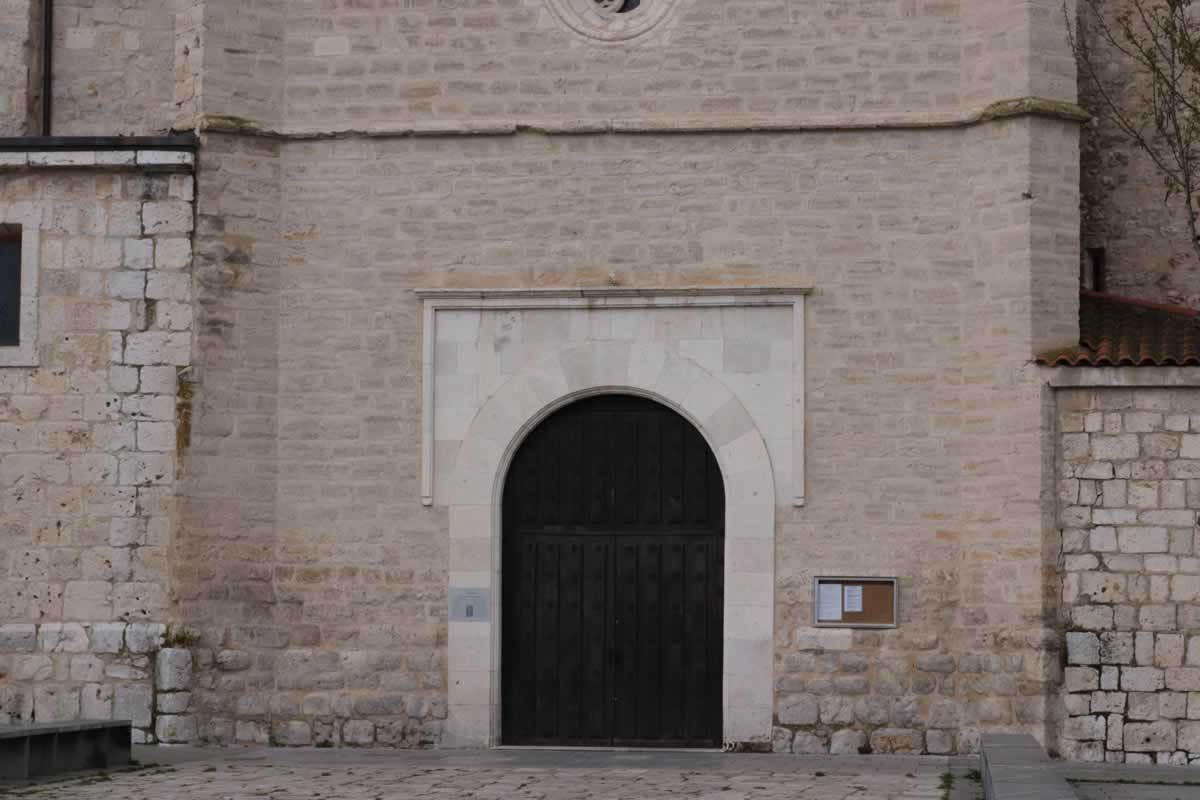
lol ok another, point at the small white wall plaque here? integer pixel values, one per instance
(469, 605)
(853, 598)
(829, 603)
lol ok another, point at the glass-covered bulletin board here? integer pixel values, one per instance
(865, 602)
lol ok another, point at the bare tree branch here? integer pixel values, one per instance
(1160, 41)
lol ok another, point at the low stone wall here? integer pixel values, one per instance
(1129, 488)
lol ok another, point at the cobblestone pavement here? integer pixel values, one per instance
(495, 775)
(1135, 791)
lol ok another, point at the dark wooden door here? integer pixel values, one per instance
(613, 566)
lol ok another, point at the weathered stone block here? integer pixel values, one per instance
(86, 667)
(1081, 679)
(939, 742)
(1172, 705)
(95, 701)
(32, 668)
(167, 217)
(1157, 617)
(873, 710)
(107, 637)
(1149, 737)
(1144, 648)
(18, 638)
(55, 703)
(805, 711)
(1183, 679)
(1185, 588)
(1142, 539)
(1168, 650)
(896, 740)
(70, 637)
(1189, 736)
(942, 663)
(156, 347)
(251, 731)
(1116, 648)
(173, 669)
(823, 639)
(808, 743)
(233, 660)
(837, 710)
(1083, 648)
(1108, 702)
(87, 600)
(1114, 448)
(144, 637)
(1115, 735)
(172, 728)
(173, 702)
(1142, 679)
(847, 742)
(133, 702)
(293, 733)
(1092, 618)
(1089, 727)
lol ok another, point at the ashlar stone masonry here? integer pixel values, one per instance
(90, 436)
(1129, 489)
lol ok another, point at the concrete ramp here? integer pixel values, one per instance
(1016, 768)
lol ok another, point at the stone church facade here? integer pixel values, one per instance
(314, 295)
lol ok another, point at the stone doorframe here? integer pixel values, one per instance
(644, 368)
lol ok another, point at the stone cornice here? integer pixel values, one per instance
(1004, 109)
(1121, 377)
(618, 292)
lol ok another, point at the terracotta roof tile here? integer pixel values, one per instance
(1119, 331)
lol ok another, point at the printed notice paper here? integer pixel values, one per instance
(829, 602)
(853, 598)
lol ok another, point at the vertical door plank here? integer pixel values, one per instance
(674, 697)
(649, 461)
(625, 641)
(649, 641)
(596, 691)
(548, 651)
(570, 666)
(672, 470)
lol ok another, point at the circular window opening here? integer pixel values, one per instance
(617, 6)
(612, 20)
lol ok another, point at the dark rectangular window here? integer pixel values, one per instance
(10, 287)
(1093, 274)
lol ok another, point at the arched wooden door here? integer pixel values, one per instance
(613, 567)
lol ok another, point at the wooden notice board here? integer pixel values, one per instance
(867, 602)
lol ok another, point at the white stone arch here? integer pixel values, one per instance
(654, 371)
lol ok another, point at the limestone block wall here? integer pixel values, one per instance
(1124, 210)
(17, 53)
(1016, 49)
(316, 578)
(225, 568)
(1129, 489)
(90, 434)
(350, 67)
(240, 70)
(114, 66)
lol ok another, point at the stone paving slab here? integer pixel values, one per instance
(292, 774)
(1136, 791)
